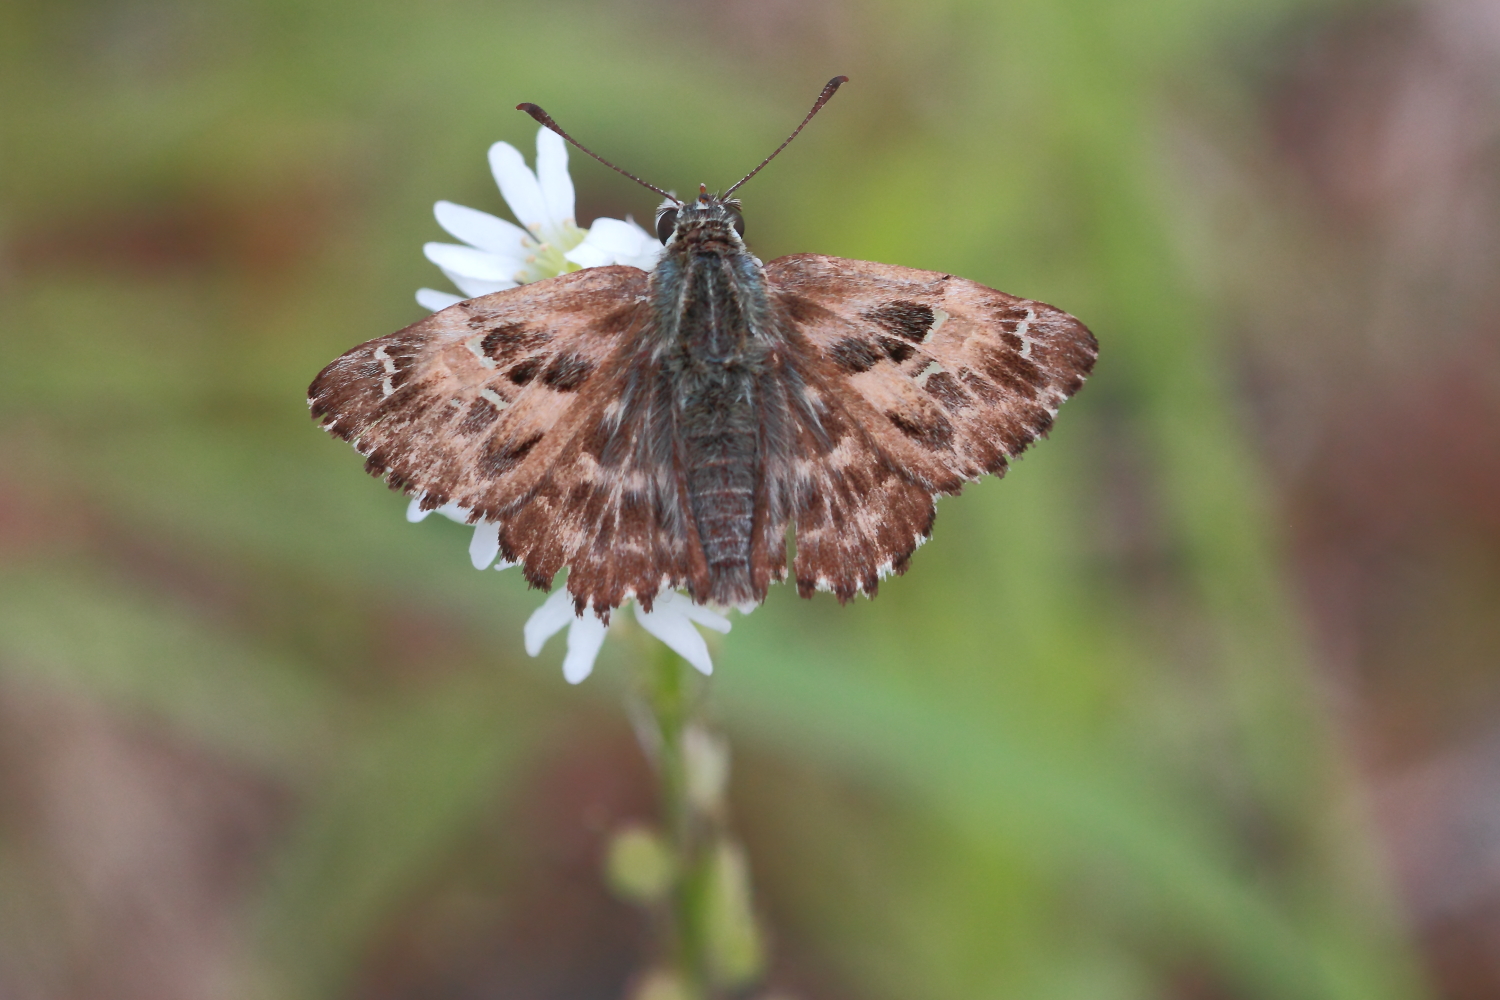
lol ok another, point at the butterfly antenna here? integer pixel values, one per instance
(828, 92)
(547, 122)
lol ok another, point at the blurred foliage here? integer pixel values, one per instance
(1075, 752)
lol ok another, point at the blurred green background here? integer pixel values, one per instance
(1199, 702)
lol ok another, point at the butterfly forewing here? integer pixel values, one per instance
(506, 405)
(951, 376)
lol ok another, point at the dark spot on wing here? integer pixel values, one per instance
(620, 320)
(804, 311)
(595, 505)
(635, 513)
(507, 340)
(946, 390)
(499, 458)
(929, 430)
(604, 527)
(910, 320)
(590, 504)
(1007, 311)
(981, 387)
(597, 438)
(567, 372)
(412, 405)
(897, 350)
(525, 371)
(853, 355)
(814, 507)
(1020, 375)
(481, 414)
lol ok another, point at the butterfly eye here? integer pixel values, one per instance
(739, 222)
(665, 223)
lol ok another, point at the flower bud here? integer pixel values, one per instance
(639, 867)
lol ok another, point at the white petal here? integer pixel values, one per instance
(451, 511)
(709, 619)
(587, 254)
(646, 261)
(454, 512)
(473, 287)
(518, 184)
(472, 263)
(485, 545)
(547, 620)
(683, 605)
(619, 237)
(610, 241)
(436, 301)
(483, 230)
(414, 511)
(585, 636)
(671, 626)
(552, 176)
(650, 248)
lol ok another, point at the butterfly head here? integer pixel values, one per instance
(707, 218)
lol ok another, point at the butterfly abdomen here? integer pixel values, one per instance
(722, 471)
(718, 428)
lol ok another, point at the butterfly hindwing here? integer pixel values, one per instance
(613, 505)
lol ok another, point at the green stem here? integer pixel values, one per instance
(710, 943)
(669, 697)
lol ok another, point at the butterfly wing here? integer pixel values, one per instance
(524, 407)
(917, 382)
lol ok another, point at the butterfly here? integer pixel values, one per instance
(670, 429)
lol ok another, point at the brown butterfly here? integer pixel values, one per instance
(662, 430)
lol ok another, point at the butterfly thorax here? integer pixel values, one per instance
(713, 344)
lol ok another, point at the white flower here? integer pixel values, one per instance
(484, 547)
(670, 619)
(496, 254)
